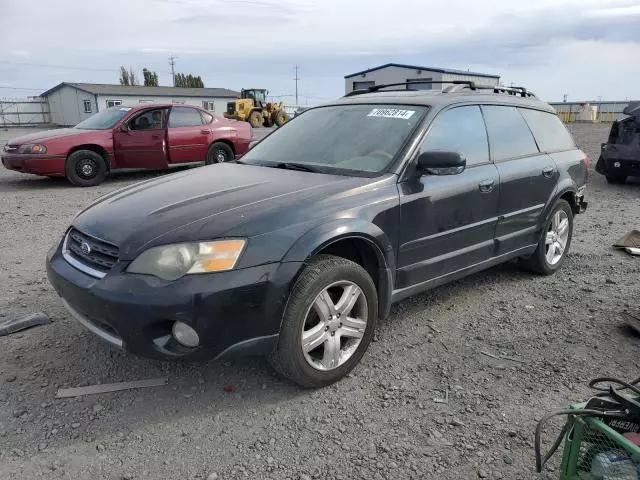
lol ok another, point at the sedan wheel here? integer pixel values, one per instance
(334, 325)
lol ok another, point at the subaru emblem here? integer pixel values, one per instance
(85, 247)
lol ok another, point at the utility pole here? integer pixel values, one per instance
(296, 79)
(172, 63)
(564, 98)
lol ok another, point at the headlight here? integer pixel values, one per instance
(33, 148)
(170, 262)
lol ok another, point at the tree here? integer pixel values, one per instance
(128, 77)
(150, 78)
(188, 81)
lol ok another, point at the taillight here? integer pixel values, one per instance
(586, 160)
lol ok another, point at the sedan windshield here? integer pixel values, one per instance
(104, 120)
(340, 139)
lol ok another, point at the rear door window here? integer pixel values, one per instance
(509, 134)
(184, 117)
(550, 132)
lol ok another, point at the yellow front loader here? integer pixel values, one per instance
(252, 107)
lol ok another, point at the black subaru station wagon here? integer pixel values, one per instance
(296, 250)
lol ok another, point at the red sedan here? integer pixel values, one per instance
(141, 137)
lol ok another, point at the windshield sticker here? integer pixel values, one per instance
(391, 113)
(125, 109)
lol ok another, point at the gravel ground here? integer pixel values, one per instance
(379, 423)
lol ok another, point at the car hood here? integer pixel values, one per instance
(45, 135)
(204, 203)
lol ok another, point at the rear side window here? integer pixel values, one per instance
(550, 132)
(509, 135)
(184, 117)
(460, 129)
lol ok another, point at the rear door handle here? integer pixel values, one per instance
(155, 137)
(548, 172)
(486, 186)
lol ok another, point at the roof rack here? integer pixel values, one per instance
(517, 91)
(374, 88)
(454, 86)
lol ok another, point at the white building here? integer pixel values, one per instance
(70, 103)
(398, 73)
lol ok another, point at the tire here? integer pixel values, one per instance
(542, 261)
(280, 118)
(255, 119)
(335, 278)
(85, 168)
(268, 122)
(219, 152)
(615, 178)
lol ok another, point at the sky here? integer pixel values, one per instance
(586, 49)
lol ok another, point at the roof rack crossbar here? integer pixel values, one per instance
(522, 91)
(374, 88)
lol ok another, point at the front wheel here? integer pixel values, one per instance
(554, 242)
(86, 168)
(219, 152)
(328, 324)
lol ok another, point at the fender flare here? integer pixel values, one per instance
(561, 191)
(322, 236)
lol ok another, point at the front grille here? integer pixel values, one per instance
(11, 148)
(90, 252)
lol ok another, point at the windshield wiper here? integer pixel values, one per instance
(294, 166)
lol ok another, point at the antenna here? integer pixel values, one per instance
(172, 63)
(297, 79)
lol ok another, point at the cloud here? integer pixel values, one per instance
(236, 43)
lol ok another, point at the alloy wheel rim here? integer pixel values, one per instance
(220, 156)
(557, 237)
(334, 325)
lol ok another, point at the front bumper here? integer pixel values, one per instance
(235, 313)
(50, 165)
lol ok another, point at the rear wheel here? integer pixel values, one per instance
(328, 324)
(554, 242)
(615, 178)
(255, 119)
(86, 168)
(219, 152)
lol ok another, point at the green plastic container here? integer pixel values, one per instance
(589, 439)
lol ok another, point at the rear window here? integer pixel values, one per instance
(550, 132)
(509, 135)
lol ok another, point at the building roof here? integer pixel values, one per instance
(122, 90)
(417, 67)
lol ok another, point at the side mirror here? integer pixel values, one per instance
(441, 162)
(124, 127)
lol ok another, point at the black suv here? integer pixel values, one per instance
(620, 156)
(296, 250)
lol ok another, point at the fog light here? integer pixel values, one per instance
(616, 164)
(185, 335)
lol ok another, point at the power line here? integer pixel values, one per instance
(50, 65)
(22, 88)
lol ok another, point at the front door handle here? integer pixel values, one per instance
(156, 137)
(486, 186)
(548, 172)
(205, 131)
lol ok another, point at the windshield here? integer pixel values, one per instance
(105, 119)
(341, 138)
